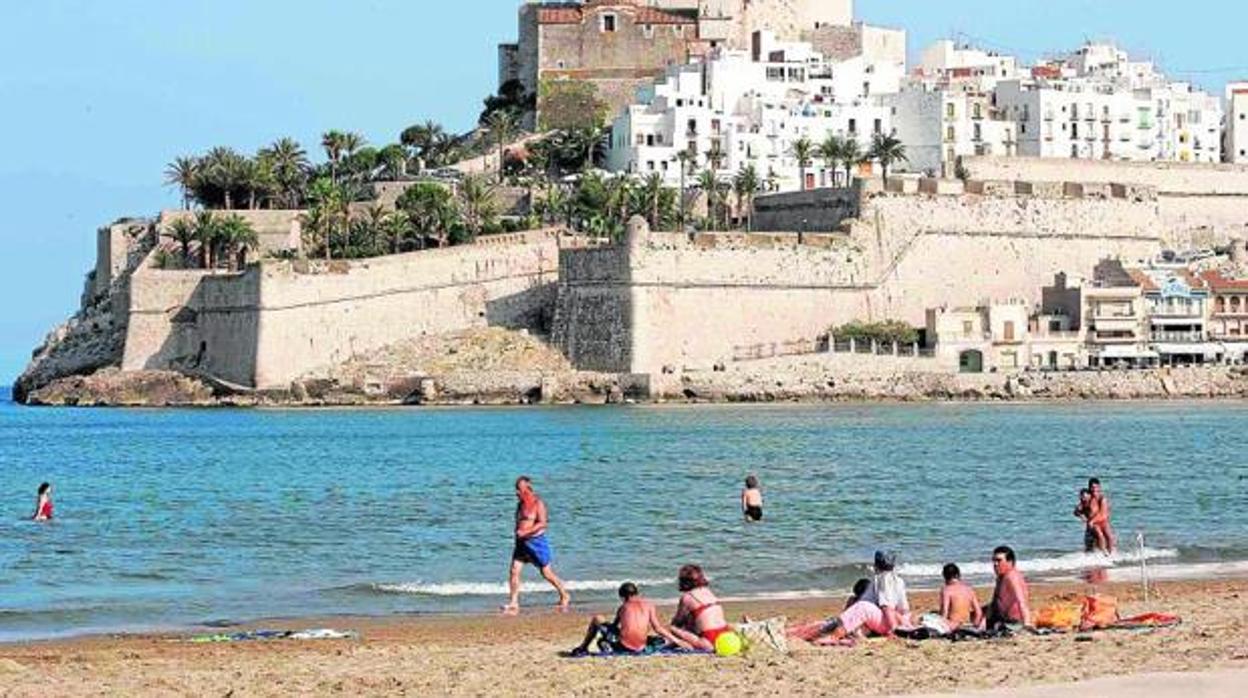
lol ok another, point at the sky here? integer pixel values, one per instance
(97, 96)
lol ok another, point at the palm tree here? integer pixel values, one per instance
(424, 138)
(394, 161)
(652, 193)
(236, 234)
(289, 163)
(226, 171)
(208, 235)
(183, 232)
(746, 184)
(851, 157)
(476, 203)
(351, 142)
(886, 150)
(329, 205)
(831, 150)
(334, 143)
(502, 127)
(804, 152)
(683, 157)
(395, 227)
(710, 187)
(431, 209)
(182, 173)
(593, 141)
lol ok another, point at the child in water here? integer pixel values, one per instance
(1083, 511)
(752, 500)
(43, 505)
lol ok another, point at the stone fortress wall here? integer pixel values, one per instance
(677, 304)
(283, 319)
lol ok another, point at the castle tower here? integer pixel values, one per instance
(734, 21)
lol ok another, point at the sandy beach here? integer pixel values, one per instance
(487, 655)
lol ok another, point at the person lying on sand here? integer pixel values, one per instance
(1011, 600)
(959, 605)
(531, 546)
(699, 618)
(635, 629)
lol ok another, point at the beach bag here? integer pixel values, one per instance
(1099, 611)
(767, 635)
(1059, 616)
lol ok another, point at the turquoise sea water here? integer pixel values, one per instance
(174, 518)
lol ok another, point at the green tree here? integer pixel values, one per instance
(208, 235)
(652, 195)
(289, 164)
(502, 127)
(393, 159)
(831, 151)
(396, 228)
(235, 235)
(335, 145)
(709, 184)
(851, 157)
(183, 232)
(887, 150)
(424, 139)
(569, 105)
(431, 209)
(327, 214)
(686, 159)
(746, 184)
(803, 150)
(476, 203)
(182, 173)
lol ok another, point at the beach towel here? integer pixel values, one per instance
(1147, 620)
(1062, 616)
(266, 635)
(667, 651)
(1099, 611)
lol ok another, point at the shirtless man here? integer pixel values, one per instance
(958, 603)
(1083, 512)
(1011, 600)
(531, 546)
(635, 629)
(1099, 519)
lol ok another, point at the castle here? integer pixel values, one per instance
(620, 46)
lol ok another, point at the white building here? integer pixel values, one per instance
(1236, 138)
(739, 108)
(1098, 104)
(946, 63)
(941, 125)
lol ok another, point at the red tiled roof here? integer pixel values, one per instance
(1220, 283)
(1142, 280)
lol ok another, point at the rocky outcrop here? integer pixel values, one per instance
(94, 338)
(115, 388)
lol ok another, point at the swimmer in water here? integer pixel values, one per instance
(43, 505)
(752, 500)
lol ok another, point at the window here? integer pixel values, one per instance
(608, 22)
(978, 111)
(648, 31)
(692, 127)
(979, 132)
(853, 126)
(951, 134)
(879, 126)
(968, 328)
(950, 110)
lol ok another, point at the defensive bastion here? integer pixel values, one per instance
(657, 304)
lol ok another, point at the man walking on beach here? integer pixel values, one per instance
(1011, 600)
(531, 546)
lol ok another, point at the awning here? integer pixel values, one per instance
(1206, 349)
(1126, 352)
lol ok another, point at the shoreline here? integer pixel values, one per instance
(474, 654)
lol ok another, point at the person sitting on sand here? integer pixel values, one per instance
(959, 605)
(1011, 600)
(888, 592)
(752, 500)
(1083, 511)
(635, 629)
(699, 618)
(1099, 520)
(531, 546)
(859, 618)
(43, 503)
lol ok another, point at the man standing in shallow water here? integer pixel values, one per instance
(531, 546)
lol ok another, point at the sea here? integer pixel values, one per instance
(179, 519)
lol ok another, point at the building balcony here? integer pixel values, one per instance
(1178, 337)
(1096, 338)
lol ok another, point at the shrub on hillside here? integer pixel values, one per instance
(885, 332)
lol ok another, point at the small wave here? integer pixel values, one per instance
(1071, 562)
(500, 588)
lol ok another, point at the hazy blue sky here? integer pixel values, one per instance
(96, 96)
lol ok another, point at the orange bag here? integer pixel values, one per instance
(1099, 611)
(1059, 616)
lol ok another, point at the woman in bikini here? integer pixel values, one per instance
(699, 618)
(43, 505)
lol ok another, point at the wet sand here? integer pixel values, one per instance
(494, 656)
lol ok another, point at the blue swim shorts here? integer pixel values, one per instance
(535, 551)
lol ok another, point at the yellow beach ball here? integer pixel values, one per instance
(728, 644)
